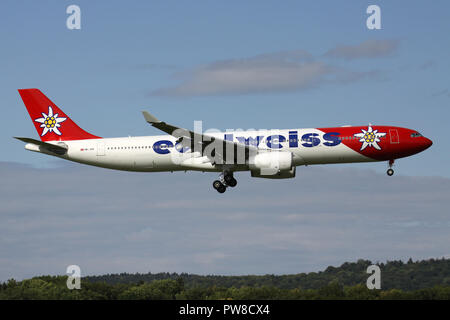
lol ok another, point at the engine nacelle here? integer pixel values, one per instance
(273, 165)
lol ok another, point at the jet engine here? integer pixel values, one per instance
(273, 165)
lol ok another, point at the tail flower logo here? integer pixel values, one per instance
(50, 122)
(369, 138)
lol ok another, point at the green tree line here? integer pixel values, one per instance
(405, 276)
(428, 279)
(54, 288)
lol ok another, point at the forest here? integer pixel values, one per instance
(426, 279)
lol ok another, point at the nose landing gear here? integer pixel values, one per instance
(390, 171)
(226, 179)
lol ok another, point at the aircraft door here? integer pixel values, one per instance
(100, 149)
(393, 133)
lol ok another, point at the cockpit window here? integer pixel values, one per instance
(415, 135)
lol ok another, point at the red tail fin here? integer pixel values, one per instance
(51, 122)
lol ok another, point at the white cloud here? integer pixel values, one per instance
(367, 49)
(286, 71)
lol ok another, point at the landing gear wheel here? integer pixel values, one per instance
(230, 180)
(390, 172)
(217, 184)
(227, 178)
(221, 189)
(232, 183)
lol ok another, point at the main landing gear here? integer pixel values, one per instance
(390, 171)
(226, 179)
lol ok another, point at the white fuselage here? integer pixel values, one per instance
(160, 153)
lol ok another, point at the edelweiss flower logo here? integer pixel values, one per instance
(370, 138)
(50, 122)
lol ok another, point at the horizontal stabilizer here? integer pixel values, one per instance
(60, 150)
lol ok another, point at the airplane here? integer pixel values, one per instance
(272, 154)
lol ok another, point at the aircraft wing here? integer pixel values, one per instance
(60, 150)
(218, 151)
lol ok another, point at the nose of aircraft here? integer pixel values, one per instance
(419, 144)
(426, 143)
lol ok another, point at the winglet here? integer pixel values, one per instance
(150, 118)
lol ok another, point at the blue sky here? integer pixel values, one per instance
(168, 57)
